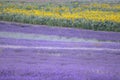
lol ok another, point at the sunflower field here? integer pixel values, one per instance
(94, 16)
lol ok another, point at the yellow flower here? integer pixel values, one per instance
(77, 13)
(0, 4)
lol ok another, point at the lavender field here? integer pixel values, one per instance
(38, 52)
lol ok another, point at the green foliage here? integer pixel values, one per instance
(78, 23)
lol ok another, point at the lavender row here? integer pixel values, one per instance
(68, 32)
(28, 64)
(43, 43)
